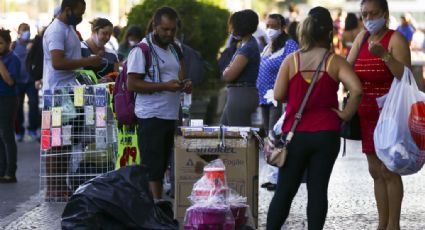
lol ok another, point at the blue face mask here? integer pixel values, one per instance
(373, 26)
(26, 35)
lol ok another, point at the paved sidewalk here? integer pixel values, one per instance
(351, 202)
(351, 198)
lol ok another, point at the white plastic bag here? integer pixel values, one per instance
(394, 144)
(277, 128)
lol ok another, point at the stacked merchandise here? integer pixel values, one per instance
(78, 138)
(215, 205)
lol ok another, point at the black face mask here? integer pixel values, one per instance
(73, 20)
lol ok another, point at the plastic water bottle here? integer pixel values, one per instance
(186, 102)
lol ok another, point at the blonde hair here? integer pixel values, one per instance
(305, 32)
(310, 31)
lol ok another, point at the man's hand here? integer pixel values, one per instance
(187, 86)
(173, 85)
(94, 61)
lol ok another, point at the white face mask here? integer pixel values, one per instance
(96, 40)
(132, 43)
(273, 33)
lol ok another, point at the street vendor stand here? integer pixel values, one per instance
(235, 146)
(78, 138)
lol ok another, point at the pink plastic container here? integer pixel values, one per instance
(225, 226)
(239, 213)
(205, 216)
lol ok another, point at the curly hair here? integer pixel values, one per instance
(5, 34)
(244, 22)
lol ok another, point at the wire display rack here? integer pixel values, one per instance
(78, 138)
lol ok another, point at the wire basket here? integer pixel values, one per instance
(78, 139)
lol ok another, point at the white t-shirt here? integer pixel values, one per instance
(164, 104)
(59, 36)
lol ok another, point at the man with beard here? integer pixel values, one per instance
(62, 55)
(157, 94)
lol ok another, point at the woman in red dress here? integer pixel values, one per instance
(380, 59)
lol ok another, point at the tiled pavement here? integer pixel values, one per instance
(351, 202)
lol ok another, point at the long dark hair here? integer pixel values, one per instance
(280, 41)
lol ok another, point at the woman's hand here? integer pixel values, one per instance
(377, 49)
(343, 116)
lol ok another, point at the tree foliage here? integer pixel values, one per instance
(204, 26)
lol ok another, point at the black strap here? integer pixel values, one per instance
(304, 102)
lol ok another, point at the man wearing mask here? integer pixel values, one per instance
(62, 48)
(25, 85)
(62, 55)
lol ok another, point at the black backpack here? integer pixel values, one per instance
(35, 57)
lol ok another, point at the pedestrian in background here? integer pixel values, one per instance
(95, 45)
(406, 28)
(280, 46)
(351, 30)
(316, 140)
(274, 53)
(113, 43)
(133, 35)
(379, 60)
(25, 86)
(9, 72)
(241, 74)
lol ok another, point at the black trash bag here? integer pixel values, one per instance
(117, 200)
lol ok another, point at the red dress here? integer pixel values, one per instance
(376, 80)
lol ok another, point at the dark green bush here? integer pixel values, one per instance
(204, 26)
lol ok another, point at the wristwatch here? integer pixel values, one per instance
(386, 57)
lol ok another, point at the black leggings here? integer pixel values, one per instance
(316, 152)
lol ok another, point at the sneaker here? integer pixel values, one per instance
(34, 135)
(19, 137)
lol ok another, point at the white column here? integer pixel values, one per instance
(114, 11)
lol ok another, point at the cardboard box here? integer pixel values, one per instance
(239, 155)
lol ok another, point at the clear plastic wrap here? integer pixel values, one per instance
(216, 206)
(240, 210)
(208, 217)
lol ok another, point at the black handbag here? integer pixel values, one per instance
(350, 129)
